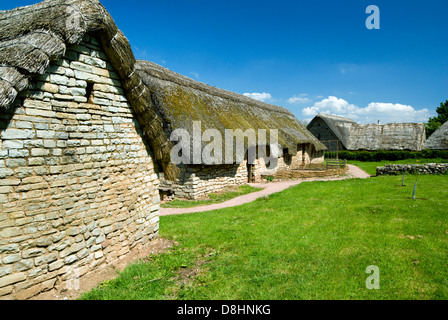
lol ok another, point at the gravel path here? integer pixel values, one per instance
(269, 188)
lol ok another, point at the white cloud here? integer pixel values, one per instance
(302, 98)
(384, 112)
(259, 96)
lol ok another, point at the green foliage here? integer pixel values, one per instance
(375, 156)
(435, 122)
(269, 178)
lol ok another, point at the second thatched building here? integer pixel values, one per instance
(350, 135)
(196, 110)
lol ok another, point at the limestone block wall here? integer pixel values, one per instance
(199, 180)
(296, 161)
(78, 189)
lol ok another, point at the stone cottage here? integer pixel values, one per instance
(353, 136)
(182, 102)
(439, 139)
(80, 145)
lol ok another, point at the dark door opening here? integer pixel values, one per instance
(250, 173)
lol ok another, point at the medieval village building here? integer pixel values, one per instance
(85, 135)
(439, 139)
(181, 101)
(350, 135)
(80, 142)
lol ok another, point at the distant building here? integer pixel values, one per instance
(439, 139)
(353, 136)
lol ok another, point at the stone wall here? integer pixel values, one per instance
(430, 168)
(300, 159)
(78, 189)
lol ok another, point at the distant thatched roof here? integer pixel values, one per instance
(181, 100)
(391, 136)
(338, 125)
(31, 37)
(439, 139)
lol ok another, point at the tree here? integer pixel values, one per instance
(442, 117)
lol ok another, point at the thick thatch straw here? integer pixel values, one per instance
(31, 37)
(181, 101)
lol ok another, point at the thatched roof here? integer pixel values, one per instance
(181, 100)
(31, 37)
(391, 136)
(439, 139)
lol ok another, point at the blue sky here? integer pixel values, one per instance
(307, 56)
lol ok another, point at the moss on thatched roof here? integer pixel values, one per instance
(181, 100)
(31, 37)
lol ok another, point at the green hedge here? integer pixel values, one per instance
(374, 156)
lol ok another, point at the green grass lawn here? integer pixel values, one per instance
(312, 241)
(212, 198)
(370, 167)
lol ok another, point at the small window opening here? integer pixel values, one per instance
(89, 92)
(287, 157)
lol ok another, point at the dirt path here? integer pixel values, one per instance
(269, 188)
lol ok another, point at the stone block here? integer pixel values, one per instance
(79, 66)
(24, 125)
(39, 152)
(32, 253)
(82, 75)
(49, 87)
(18, 134)
(13, 144)
(92, 61)
(18, 153)
(12, 279)
(61, 80)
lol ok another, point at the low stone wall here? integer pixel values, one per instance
(429, 168)
(199, 180)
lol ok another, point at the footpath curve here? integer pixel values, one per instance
(268, 188)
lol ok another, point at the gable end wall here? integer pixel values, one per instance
(78, 189)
